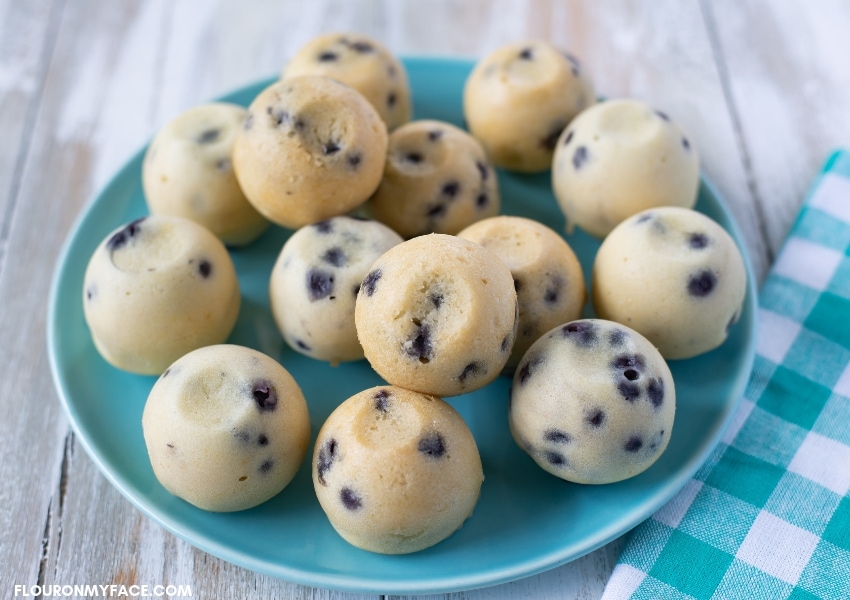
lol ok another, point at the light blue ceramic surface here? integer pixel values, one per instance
(526, 521)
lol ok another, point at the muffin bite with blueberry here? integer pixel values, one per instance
(188, 172)
(396, 471)
(364, 64)
(310, 148)
(157, 288)
(226, 428)
(592, 402)
(674, 275)
(547, 275)
(518, 99)
(437, 179)
(437, 314)
(655, 162)
(315, 281)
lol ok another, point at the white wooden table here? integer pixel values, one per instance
(762, 86)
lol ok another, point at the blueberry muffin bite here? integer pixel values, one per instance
(547, 275)
(655, 162)
(310, 148)
(364, 64)
(437, 314)
(226, 428)
(188, 172)
(157, 288)
(437, 179)
(315, 281)
(592, 402)
(396, 471)
(674, 275)
(519, 99)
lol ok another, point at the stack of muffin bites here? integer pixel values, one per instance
(400, 255)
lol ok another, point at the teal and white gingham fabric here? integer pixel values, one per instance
(768, 515)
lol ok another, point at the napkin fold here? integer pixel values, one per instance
(768, 515)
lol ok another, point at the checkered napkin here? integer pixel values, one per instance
(768, 515)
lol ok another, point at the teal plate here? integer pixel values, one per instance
(526, 520)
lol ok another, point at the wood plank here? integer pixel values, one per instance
(31, 429)
(101, 102)
(25, 34)
(581, 579)
(790, 85)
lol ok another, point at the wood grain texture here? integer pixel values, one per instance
(32, 428)
(760, 86)
(25, 34)
(790, 89)
(581, 579)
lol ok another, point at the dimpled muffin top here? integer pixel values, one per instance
(156, 289)
(362, 63)
(519, 98)
(188, 172)
(547, 275)
(674, 275)
(592, 402)
(437, 314)
(315, 282)
(226, 428)
(618, 158)
(437, 179)
(311, 148)
(396, 471)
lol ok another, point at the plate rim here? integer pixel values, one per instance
(348, 583)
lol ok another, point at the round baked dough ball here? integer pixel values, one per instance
(674, 275)
(315, 281)
(618, 158)
(547, 274)
(157, 288)
(592, 402)
(226, 428)
(437, 314)
(362, 63)
(519, 98)
(437, 179)
(396, 471)
(188, 172)
(311, 148)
